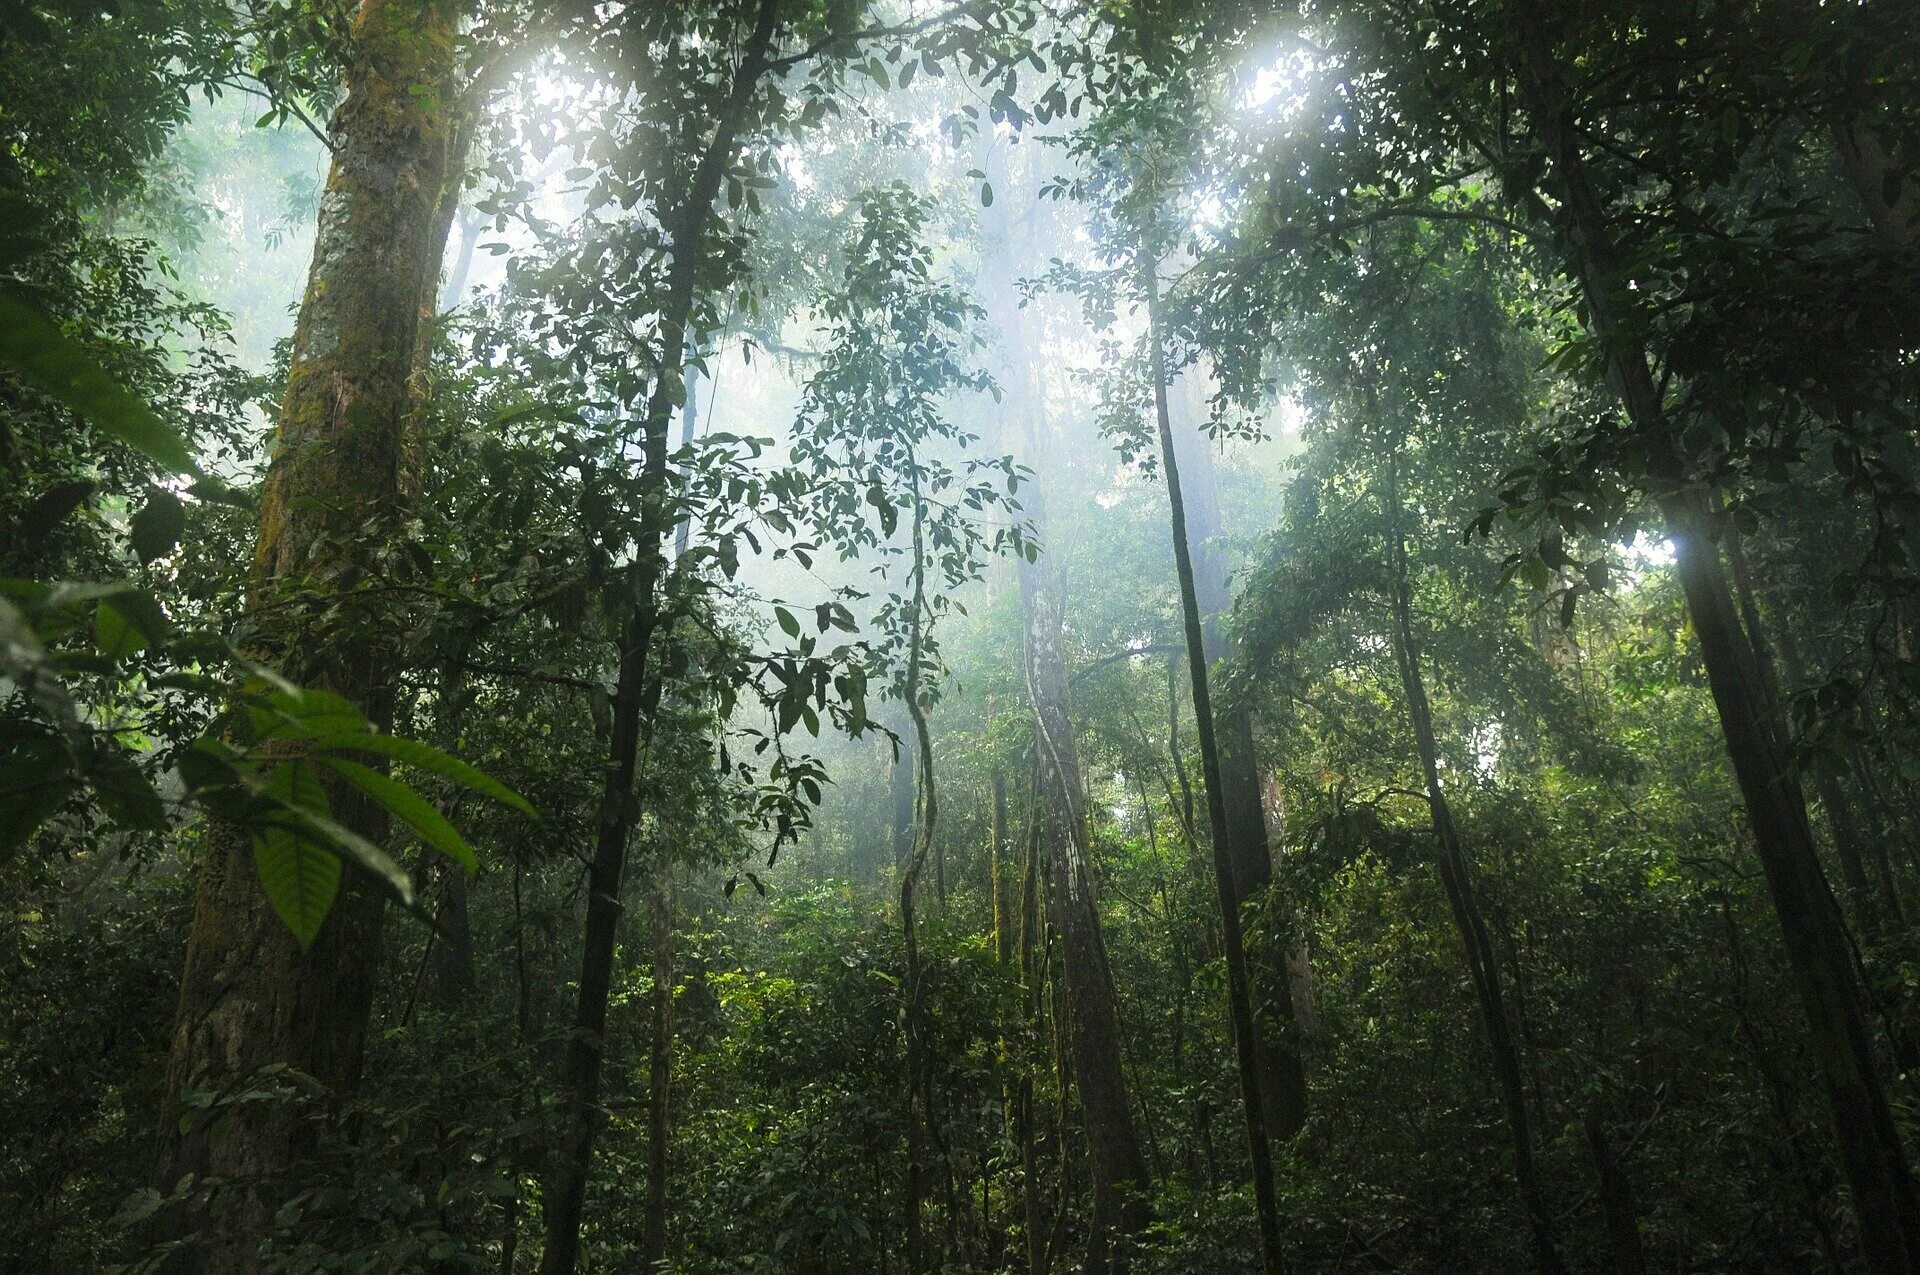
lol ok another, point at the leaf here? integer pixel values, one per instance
(36, 778)
(34, 348)
(50, 507)
(986, 194)
(788, 624)
(424, 757)
(299, 876)
(344, 842)
(408, 806)
(156, 529)
(114, 634)
(296, 713)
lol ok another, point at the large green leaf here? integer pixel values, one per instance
(424, 757)
(299, 875)
(300, 879)
(34, 348)
(408, 806)
(36, 778)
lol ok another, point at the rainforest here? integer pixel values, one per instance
(1136, 637)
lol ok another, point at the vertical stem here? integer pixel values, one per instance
(1456, 877)
(1238, 993)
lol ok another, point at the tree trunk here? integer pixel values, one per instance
(1033, 1206)
(249, 997)
(925, 811)
(1239, 995)
(1456, 877)
(1874, 1160)
(1093, 1027)
(1301, 993)
(1283, 1077)
(1616, 1199)
(637, 690)
(996, 872)
(653, 1242)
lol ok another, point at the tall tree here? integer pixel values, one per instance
(1456, 878)
(1814, 933)
(251, 996)
(1239, 990)
(1282, 1073)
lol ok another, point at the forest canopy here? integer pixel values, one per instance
(959, 636)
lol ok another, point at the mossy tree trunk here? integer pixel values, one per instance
(342, 474)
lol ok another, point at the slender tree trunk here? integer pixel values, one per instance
(1617, 1208)
(1033, 1205)
(249, 996)
(1239, 994)
(926, 809)
(637, 688)
(1815, 940)
(996, 872)
(653, 1241)
(1283, 1077)
(1113, 1151)
(1456, 877)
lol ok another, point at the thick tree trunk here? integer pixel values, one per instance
(1814, 935)
(1301, 993)
(1456, 877)
(249, 997)
(637, 688)
(1283, 1077)
(1239, 993)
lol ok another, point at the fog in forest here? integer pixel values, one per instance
(757, 636)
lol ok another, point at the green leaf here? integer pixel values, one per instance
(424, 757)
(36, 778)
(157, 527)
(297, 713)
(788, 624)
(299, 875)
(299, 807)
(34, 348)
(408, 806)
(116, 636)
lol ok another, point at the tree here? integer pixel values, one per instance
(253, 996)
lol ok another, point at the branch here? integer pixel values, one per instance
(286, 104)
(828, 43)
(1132, 652)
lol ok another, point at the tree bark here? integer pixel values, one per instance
(1617, 1208)
(1239, 994)
(339, 479)
(1814, 936)
(1033, 1206)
